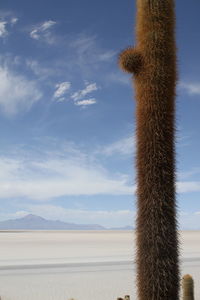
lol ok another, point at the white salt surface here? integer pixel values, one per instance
(58, 265)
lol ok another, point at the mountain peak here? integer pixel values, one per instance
(31, 217)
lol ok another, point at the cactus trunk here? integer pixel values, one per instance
(153, 64)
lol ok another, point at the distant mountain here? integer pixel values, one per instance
(33, 222)
(122, 228)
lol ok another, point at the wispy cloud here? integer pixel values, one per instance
(61, 89)
(17, 93)
(57, 172)
(88, 53)
(183, 140)
(89, 88)
(78, 96)
(188, 186)
(41, 71)
(3, 30)
(14, 20)
(188, 174)
(124, 146)
(10, 168)
(192, 88)
(86, 102)
(54, 176)
(42, 32)
(119, 77)
(13, 215)
(107, 55)
(7, 20)
(46, 25)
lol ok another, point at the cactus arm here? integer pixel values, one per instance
(130, 60)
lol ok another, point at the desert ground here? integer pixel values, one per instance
(58, 265)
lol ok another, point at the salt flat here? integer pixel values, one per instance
(57, 265)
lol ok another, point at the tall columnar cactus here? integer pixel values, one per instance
(153, 65)
(188, 287)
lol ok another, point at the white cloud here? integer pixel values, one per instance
(124, 146)
(62, 99)
(188, 186)
(83, 42)
(56, 176)
(34, 34)
(90, 87)
(183, 140)
(42, 32)
(188, 174)
(65, 170)
(14, 20)
(15, 215)
(17, 93)
(78, 96)
(6, 21)
(191, 88)
(3, 30)
(107, 56)
(46, 25)
(61, 89)
(42, 72)
(119, 77)
(10, 168)
(88, 53)
(86, 102)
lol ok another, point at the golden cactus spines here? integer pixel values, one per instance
(188, 287)
(153, 65)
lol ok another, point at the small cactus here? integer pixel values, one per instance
(188, 287)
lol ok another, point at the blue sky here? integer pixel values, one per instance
(67, 112)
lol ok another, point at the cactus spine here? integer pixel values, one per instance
(153, 64)
(188, 287)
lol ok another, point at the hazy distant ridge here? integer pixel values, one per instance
(33, 222)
